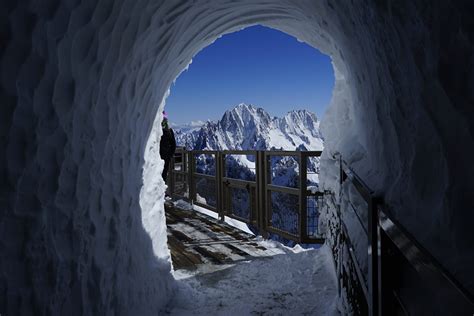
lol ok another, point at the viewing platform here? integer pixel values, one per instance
(196, 239)
(277, 194)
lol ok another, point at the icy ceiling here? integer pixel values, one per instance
(82, 82)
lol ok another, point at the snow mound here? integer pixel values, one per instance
(295, 283)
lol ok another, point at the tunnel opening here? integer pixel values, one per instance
(282, 82)
(155, 134)
(326, 277)
(148, 193)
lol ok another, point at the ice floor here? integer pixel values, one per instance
(298, 282)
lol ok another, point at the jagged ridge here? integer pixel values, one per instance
(246, 127)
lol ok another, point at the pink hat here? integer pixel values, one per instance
(165, 116)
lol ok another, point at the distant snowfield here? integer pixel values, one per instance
(297, 282)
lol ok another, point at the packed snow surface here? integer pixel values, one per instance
(298, 282)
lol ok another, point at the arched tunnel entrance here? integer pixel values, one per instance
(82, 83)
(253, 90)
(268, 21)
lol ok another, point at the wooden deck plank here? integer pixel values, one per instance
(215, 257)
(195, 239)
(182, 258)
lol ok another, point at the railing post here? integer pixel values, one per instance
(186, 169)
(260, 171)
(380, 244)
(192, 191)
(303, 207)
(374, 258)
(219, 184)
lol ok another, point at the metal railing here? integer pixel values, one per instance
(402, 277)
(388, 271)
(253, 194)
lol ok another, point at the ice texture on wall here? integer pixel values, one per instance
(82, 83)
(407, 124)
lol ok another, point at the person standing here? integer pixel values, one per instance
(167, 146)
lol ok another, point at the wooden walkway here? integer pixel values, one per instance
(195, 239)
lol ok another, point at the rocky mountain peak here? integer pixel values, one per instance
(246, 127)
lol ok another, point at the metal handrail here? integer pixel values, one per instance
(204, 175)
(381, 223)
(240, 152)
(282, 189)
(384, 232)
(418, 256)
(241, 182)
(358, 218)
(281, 153)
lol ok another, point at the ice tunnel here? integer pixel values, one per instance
(82, 229)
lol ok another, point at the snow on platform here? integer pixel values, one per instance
(196, 239)
(241, 274)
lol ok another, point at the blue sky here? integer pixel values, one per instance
(258, 66)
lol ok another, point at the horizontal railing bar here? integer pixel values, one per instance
(358, 183)
(239, 152)
(424, 263)
(282, 153)
(239, 182)
(364, 192)
(283, 233)
(180, 172)
(278, 188)
(211, 208)
(311, 153)
(358, 217)
(203, 152)
(203, 175)
(366, 195)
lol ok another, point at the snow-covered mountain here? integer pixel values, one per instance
(189, 127)
(186, 133)
(246, 127)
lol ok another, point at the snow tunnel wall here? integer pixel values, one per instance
(82, 228)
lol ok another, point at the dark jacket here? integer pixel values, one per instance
(167, 144)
